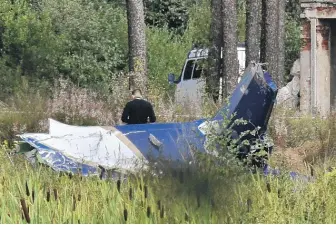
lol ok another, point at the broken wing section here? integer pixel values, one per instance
(169, 142)
(252, 100)
(83, 149)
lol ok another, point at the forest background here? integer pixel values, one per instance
(70, 59)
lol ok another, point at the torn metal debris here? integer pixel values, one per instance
(90, 149)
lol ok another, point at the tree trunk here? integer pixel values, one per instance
(253, 28)
(230, 41)
(272, 39)
(1, 37)
(263, 32)
(137, 44)
(281, 41)
(215, 62)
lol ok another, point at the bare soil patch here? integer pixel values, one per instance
(297, 158)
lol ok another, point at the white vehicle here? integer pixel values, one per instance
(190, 86)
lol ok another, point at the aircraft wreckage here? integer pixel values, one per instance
(90, 149)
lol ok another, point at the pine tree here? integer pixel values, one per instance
(137, 44)
(253, 30)
(230, 42)
(216, 39)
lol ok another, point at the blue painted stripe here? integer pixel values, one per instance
(235, 98)
(59, 161)
(253, 105)
(126, 141)
(176, 139)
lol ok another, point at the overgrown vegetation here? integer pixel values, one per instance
(68, 60)
(196, 194)
(86, 41)
(44, 43)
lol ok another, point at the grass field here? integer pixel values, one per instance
(203, 194)
(198, 195)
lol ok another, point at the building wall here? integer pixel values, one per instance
(323, 68)
(318, 71)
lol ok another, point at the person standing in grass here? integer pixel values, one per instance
(138, 111)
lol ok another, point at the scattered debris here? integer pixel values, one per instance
(88, 149)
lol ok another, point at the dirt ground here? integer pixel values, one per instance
(296, 159)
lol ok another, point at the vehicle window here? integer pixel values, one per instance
(198, 69)
(188, 70)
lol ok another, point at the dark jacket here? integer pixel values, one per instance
(138, 111)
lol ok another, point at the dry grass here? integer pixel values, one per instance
(28, 110)
(302, 140)
(299, 139)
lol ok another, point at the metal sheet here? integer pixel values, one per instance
(128, 147)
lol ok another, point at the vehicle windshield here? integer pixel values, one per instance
(193, 69)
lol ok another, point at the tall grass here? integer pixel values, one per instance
(28, 109)
(191, 195)
(199, 194)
